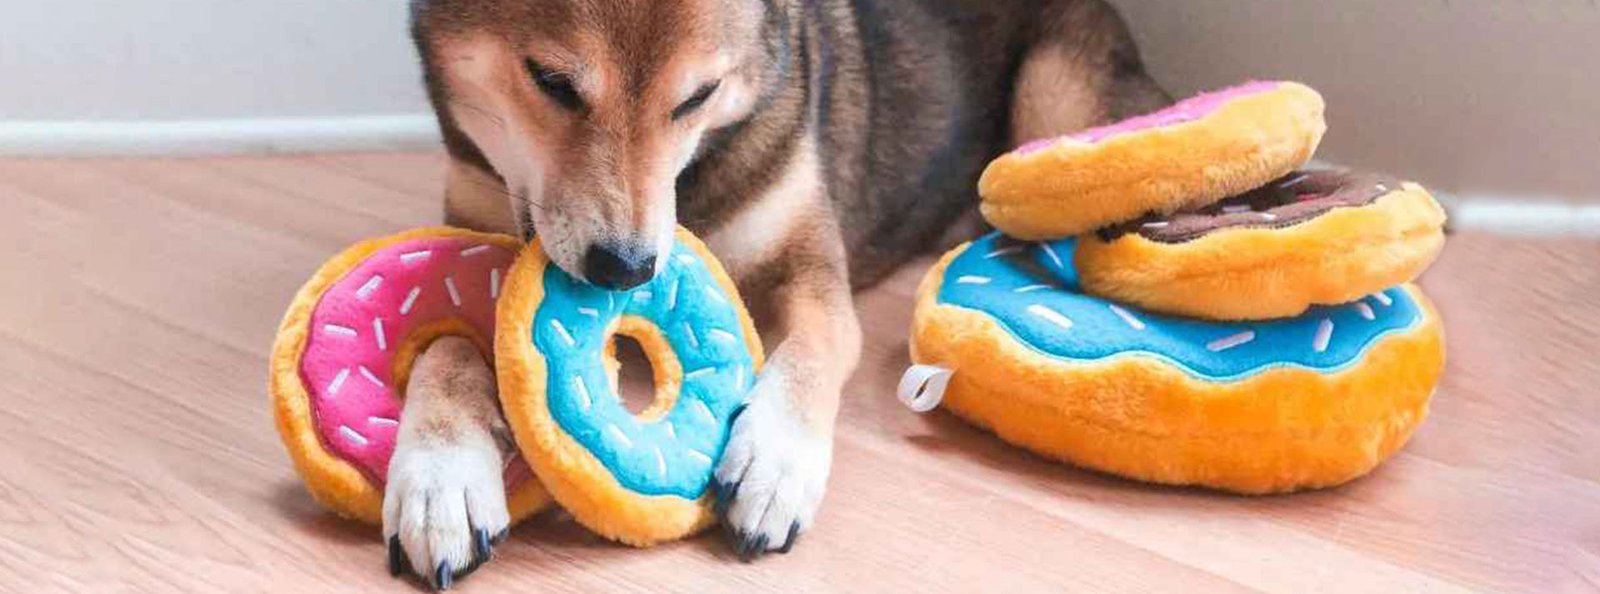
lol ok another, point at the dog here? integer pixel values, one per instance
(814, 144)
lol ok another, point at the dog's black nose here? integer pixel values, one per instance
(610, 268)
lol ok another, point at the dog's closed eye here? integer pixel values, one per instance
(696, 101)
(556, 85)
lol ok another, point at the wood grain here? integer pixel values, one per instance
(138, 299)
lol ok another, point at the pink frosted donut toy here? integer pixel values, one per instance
(345, 348)
(1189, 155)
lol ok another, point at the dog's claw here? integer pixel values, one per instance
(788, 541)
(751, 546)
(482, 546)
(443, 578)
(398, 564)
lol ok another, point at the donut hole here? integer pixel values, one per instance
(644, 371)
(635, 377)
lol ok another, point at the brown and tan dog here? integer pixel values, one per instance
(815, 145)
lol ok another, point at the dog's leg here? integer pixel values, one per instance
(775, 469)
(445, 505)
(1082, 69)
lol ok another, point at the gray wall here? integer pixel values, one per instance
(1475, 96)
(1481, 96)
(200, 59)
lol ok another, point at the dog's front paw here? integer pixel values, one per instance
(773, 474)
(443, 511)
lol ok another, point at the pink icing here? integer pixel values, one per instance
(1188, 110)
(360, 323)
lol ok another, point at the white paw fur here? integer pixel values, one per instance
(442, 502)
(776, 470)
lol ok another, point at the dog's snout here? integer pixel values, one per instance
(618, 268)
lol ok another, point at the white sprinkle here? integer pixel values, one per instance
(582, 390)
(694, 341)
(383, 421)
(686, 259)
(371, 377)
(738, 377)
(473, 251)
(1295, 181)
(561, 330)
(611, 301)
(1156, 225)
(1223, 344)
(1366, 311)
(672, 296)
(450, 287)
(699, 373)
(413, 257)
(1005, 251)
(1324, 334)
(704, 459)
(377, 329)
(721, 335)
(1267, 216)
(1128, 317)
(704, 411)
(371, 286)
(340, 330)
(1235, 208)
(494, 284)
(1050, 251)
(672, 432)
(1051, 316)
(351, 435)
(715, 295)
(411, 301)
(661, 463)
(973, 280)
(619, 436)
(1384, 299)
(642, 296)
(1032, 288)
(590, 312)
(338, 381)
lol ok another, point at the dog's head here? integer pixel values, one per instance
(590, 109)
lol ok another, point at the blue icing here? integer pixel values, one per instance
(701, 323)
(1032, 291)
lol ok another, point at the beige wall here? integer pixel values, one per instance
(1472, 96)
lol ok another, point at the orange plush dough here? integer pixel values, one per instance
(344, 466)
(1192, 154)
(1276, 429)
(1259, 265)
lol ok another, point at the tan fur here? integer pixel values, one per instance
(1055, 93)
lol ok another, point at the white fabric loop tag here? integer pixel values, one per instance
(922, 387)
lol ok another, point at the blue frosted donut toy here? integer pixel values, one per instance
(1259, 407)
(639, 479)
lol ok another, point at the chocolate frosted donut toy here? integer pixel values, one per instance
(639, 479)
(346, 346)
(1312, 238)
(1304, 402)
(1189, 155)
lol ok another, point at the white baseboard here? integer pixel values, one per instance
(1495, 214)
(218, 136)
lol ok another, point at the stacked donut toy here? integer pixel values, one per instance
(1177, 299)
(346, 346)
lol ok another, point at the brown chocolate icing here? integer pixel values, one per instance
(1291, 200)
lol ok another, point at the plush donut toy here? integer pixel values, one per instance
(1305, 402)
(639, 479)
(345, 349)
(1191, 154)
(1312, 238)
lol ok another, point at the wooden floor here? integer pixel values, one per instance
(138, 299)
